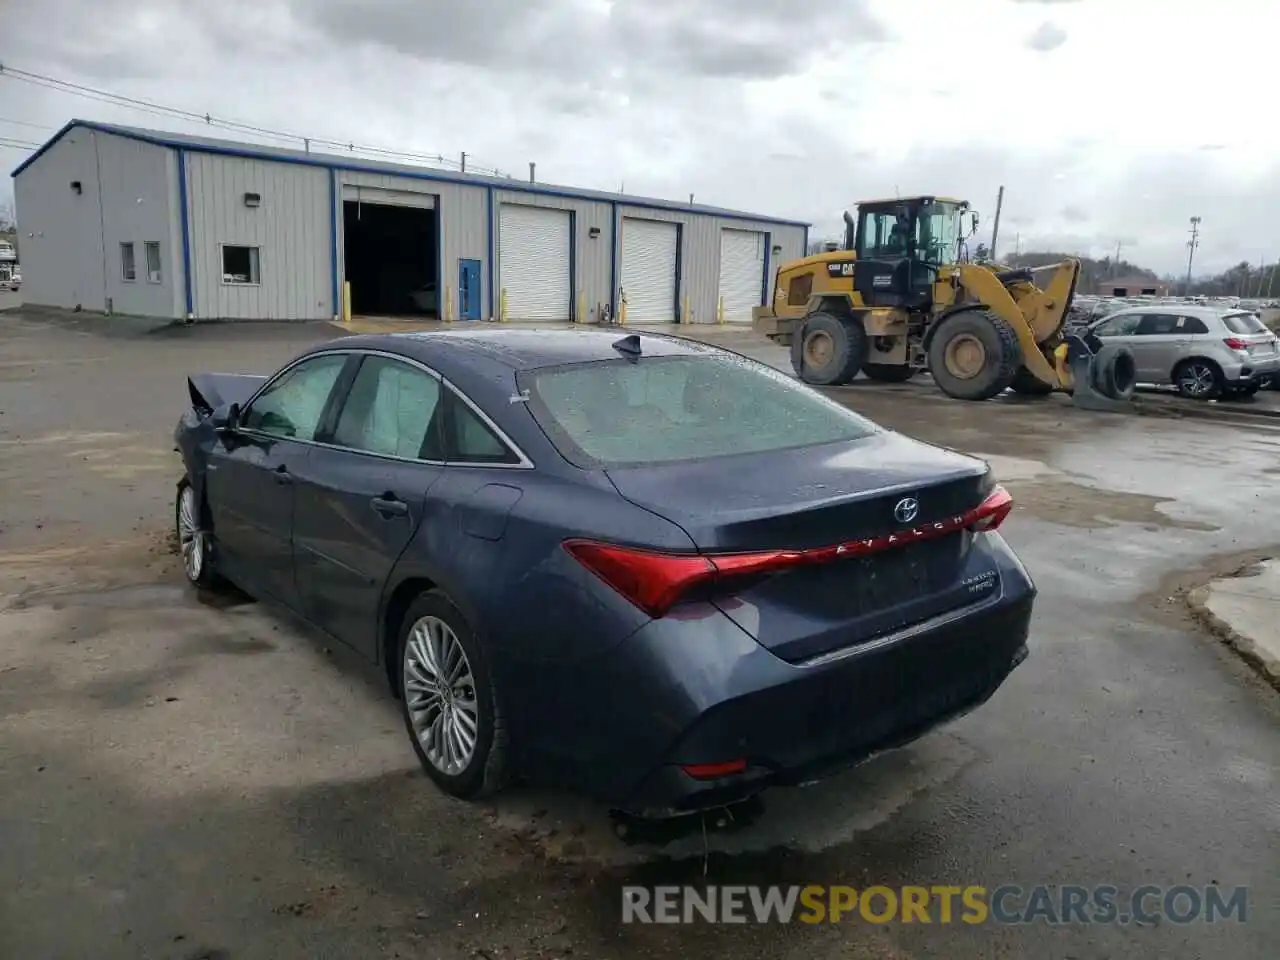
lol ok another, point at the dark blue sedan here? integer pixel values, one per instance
(645, 568)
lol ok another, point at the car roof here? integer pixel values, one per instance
(1187, 309)
(521, 349)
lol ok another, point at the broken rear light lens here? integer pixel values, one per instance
(655, 582)
(1235, 343)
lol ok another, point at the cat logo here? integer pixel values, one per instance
(840, 269)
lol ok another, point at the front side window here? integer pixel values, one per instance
(1125, 325)
(1159, 325)
(294, 403)
(392, 410)
(128, 267)
(667, 409)
(241, 265)
(938, 233)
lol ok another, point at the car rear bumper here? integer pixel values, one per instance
(1253, 370)
(809, 720)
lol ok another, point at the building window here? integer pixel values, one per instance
(128, 269)
(240, 265)
(153, 262)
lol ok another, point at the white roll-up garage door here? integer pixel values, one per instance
(534, 256)
(649, 269)
(741, 273)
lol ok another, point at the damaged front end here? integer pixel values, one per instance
(216, 399)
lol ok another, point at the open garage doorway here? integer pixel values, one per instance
(392, 259)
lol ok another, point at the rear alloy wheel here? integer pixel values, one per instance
(193, 538)
(447, 694)
(828, 350)
(888, 372)
(974, 355)
(1198, 379)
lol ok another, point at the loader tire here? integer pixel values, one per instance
(974, 355)
(1028, 384)
(888, 372)
(1114, 373)
(827, 350)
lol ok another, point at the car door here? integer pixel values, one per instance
(360, 497)
(249, 483)
(1156, 345)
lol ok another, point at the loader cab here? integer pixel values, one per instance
(901, 244)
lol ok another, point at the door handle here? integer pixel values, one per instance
(283, 475)
(389, 507)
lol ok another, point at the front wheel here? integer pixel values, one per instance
(974, 355)
(194, 539)
(449, 700)
(828, 351)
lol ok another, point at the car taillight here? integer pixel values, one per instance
(1235, 343)
(655, 581)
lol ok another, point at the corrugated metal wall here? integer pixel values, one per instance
(700, 253)
(137, 198)
(291, 228)
(61, 244)
(591, 255)
(461, 224)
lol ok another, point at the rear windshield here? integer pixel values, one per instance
(1244, 323)
(666, 409)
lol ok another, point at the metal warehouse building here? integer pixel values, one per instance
(159, 224)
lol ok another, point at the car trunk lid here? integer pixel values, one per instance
(882, 520)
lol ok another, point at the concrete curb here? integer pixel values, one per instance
(1262, 660)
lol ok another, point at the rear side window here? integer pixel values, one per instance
(391, 410)
(667, 409)
(1243, 323)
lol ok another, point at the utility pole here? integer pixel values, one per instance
(995, 226)
(1191, 248)
(464, 161)
(532, 169)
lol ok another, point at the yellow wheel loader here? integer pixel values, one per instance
(900, 298)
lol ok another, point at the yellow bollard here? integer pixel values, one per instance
(720, 311)
(502, 305)
(685, 317)
(622, 309)
(448, 305)
(346, 301)
(581, 311)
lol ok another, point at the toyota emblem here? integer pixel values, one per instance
(906, 510)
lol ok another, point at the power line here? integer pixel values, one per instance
(16, 144)
(27, 123)
(164, 110)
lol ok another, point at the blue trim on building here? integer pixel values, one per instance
(613, 262)
(333, 243)
(185, 220)
(764, 278)
(679, 269)
(490, 266)
(573, 267)
(248, 153)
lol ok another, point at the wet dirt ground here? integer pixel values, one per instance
(184, 777)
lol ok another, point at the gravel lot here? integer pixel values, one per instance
(186, 780)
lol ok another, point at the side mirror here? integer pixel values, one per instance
(226, 419)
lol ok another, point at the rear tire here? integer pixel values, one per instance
(1198, 379)
(828, 350)
(888, 372)
(974, 355)
(447, 697)
(1028, 384)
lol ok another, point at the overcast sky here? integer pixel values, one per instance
(1106, 120)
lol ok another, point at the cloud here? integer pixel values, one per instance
(1048, 36)
(590, 38)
